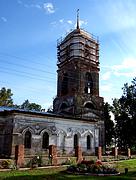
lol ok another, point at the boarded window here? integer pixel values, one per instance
(45, 141)
(27, 142)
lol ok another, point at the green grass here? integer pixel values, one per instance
(59, 174)
(130, 164)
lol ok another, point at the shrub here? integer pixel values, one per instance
(36, 161)
(6, 164)
(67, 162)
(89, 167)
(87, 162)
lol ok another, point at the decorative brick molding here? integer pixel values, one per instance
(53, 154)
(19, 155)
(78, 154)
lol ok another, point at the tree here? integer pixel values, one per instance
(6, 97)
(109, 125)
(116, 108)
(50, 109)
(30, 106)
(125, 115)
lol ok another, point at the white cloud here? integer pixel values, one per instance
(106, 87)
(106, 76)
(120, 15)
(19, 2)
(63, 24)
(36, 6)
(69, 22)
(49, 8)
(126, 74)
(61, 20)
(81, 23)
(127, 69)
(54, 23)
(29, 5)
(66, 25)
(4, 19)
(128, 63)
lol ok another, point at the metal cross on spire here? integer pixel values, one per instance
(78, 19)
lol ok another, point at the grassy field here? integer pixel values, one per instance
(59, 174)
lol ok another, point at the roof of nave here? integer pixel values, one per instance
(11, 110)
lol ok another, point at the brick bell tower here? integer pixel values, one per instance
(78, 76)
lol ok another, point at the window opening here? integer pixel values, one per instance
(88, 83)
(88, 142)
(64, 88)
(75, 140)
(45, 141)
(27, 142)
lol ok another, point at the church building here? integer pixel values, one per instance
(77, 117)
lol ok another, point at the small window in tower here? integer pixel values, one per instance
(88, 83)
(64, 85)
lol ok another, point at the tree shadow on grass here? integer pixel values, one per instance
(65, 176)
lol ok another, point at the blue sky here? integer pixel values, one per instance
(29, 30)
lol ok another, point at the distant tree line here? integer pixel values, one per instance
(6, 100)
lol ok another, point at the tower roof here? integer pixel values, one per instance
(77, 32)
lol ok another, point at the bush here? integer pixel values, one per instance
(87, 162)
(69, 162)
(89, 167)
(6, 164)
(36, 161)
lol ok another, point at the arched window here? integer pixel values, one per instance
(27, 142)
(75, 140)
(88, 142)
(89, 105)
(88, 83)
(64, 85)
(63, 106)
(45, 141)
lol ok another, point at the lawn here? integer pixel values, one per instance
(59, 174)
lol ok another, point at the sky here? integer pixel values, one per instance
(29, 30)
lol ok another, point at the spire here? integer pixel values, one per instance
(78, 19)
